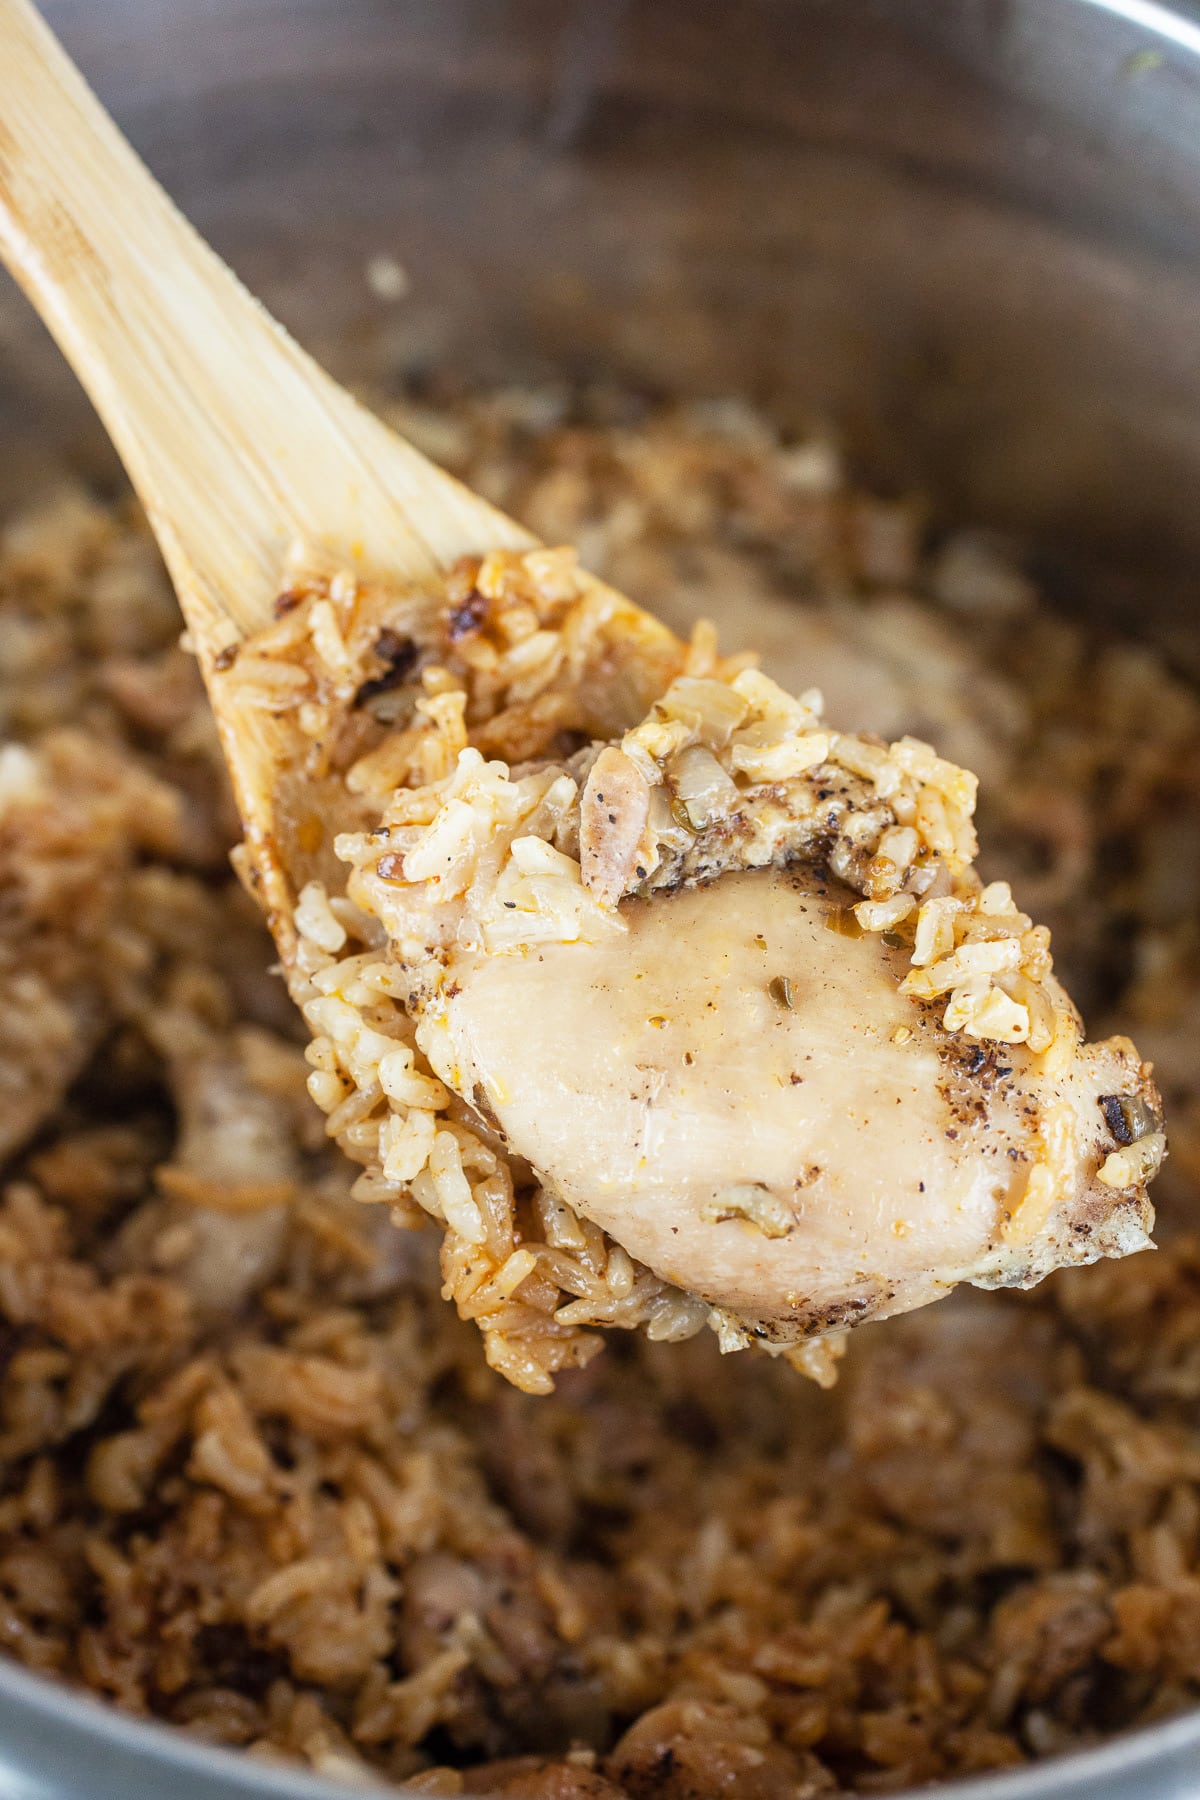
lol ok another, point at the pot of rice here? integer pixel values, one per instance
(868, 331)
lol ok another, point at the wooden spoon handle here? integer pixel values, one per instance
(236, 441)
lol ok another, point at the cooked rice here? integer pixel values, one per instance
(258, 1480)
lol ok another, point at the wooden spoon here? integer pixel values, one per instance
(237, 443)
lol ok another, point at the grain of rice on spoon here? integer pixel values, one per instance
(670, 1004)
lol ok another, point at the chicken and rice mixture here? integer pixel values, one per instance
(260, 1481)
(463, 842)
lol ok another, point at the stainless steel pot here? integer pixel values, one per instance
(964, 232)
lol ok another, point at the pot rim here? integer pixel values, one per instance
(1180, 24)
(162, 1749)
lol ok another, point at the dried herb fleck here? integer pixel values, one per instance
(399, 656)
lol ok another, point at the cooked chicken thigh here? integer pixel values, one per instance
(803, 1161)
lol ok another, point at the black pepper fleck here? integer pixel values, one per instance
(466, 617)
